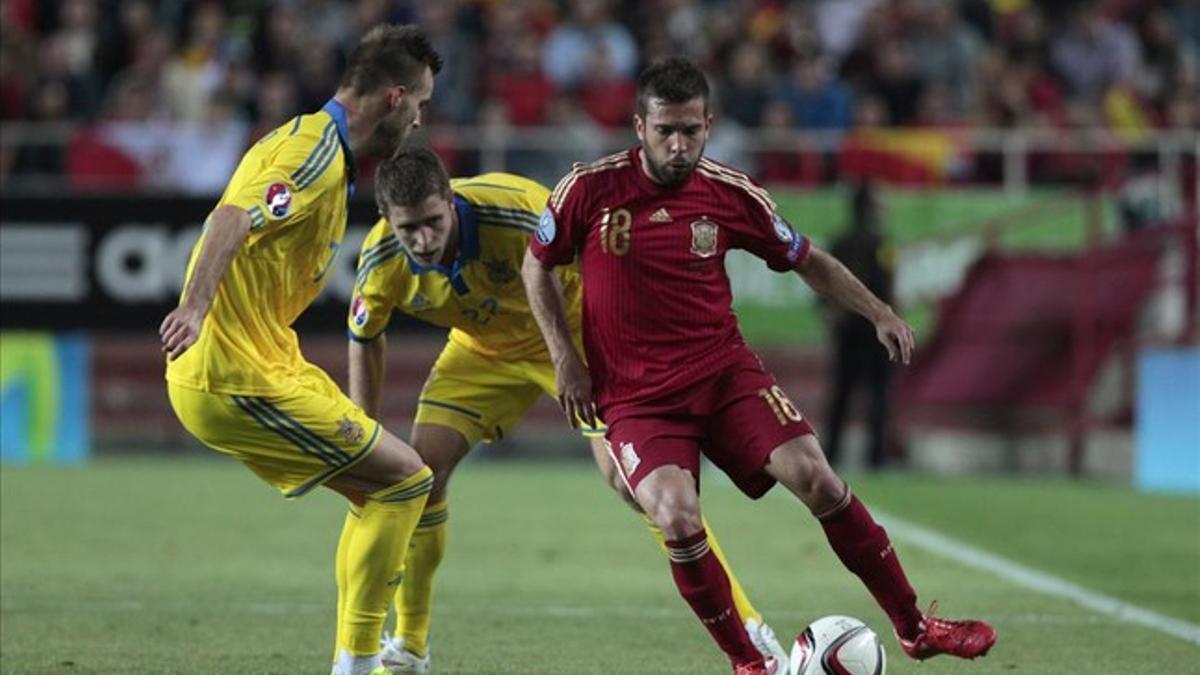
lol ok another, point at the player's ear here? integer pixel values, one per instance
(639, 125)
(396, 96)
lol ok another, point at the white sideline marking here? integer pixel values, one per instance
(1036, 580)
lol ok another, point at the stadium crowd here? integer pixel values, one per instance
(169, 94)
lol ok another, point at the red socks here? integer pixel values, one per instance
(864, 548)
(703, 583)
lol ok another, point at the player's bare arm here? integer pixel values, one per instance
(830, 278)
(367, 373)
(549, 310)
(224, 234)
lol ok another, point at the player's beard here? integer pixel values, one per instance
(671, 175)
(389, 136)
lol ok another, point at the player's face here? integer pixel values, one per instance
(427, 229)
(404, 108)
(673, 137)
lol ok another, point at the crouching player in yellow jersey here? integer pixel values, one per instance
(236, 378)
(449, 252)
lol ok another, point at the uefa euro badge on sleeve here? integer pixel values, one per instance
(279, 199)
(787, 235)
(546, 228)
(359, 310)
(704, 238)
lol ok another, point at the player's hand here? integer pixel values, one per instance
(180, 330)
(575, 392)
(897, 336)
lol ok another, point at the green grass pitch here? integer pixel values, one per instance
(192, 566)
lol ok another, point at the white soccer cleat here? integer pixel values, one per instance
(766, 643)
(397, 660)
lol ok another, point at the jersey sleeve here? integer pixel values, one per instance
(372, 302)
(768, 235)
(295, 176)
(561, 228)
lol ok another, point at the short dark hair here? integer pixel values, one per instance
(408, 178)
(674, 79)
(389, 54)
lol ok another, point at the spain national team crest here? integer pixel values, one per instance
(279, 199)
(704, 238)
(350, 431)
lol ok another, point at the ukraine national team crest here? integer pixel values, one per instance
(350, 431)
(279, 199)
(499, 271)
(704, 238)
(358, 310)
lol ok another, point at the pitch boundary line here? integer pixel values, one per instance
(1035, 580)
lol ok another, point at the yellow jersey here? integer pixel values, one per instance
(295, 184)
(480, 296)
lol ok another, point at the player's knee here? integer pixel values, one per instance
(676, 517)
(802, 467)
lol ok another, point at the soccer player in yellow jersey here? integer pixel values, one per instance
(449, 252)
(236, 378)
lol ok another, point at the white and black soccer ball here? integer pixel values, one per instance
(837, 645)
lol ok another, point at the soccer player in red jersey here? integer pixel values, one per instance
(670, 373)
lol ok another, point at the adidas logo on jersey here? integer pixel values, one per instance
(418, 303)
(661, 216)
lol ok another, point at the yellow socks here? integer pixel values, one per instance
(414, 600)
(370, 559)
(744, 608)
(339, 568)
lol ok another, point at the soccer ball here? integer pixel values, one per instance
(837, 645)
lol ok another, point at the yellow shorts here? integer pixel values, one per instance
(483, 397)
(294, 441)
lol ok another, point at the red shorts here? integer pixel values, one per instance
(736, 418)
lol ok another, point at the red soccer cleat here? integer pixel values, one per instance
(770, 666)
(965, 639)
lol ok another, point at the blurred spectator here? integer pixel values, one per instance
(197, 72)
(274, 104)
(572, 46)
(316, 75)
(859, 359)
(817, 100)
(1169, 64)
(54, 66)
(204, 154)
(42, 161)
(744, 92)
(937, 66)
(605, 94)
(946, 50)
(840, 22)
(1093, 53)
(521, 86)
(457, 96)
(897, 82)
(785, 165)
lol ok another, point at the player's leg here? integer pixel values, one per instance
(864, 548)
(442, 447)
(467, 398)
(608, 469)
(389, 487)
(660, 461)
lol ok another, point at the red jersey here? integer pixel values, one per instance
(657, 306)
